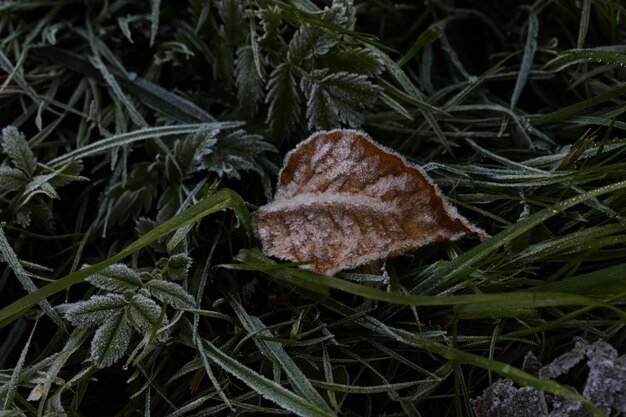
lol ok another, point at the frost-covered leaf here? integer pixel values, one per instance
(12, 179)
(249, 81)
(337, 97)
(605, 386)
(143, 225)
(117, 277)
(14, 144)
(178, 266)
(343, 200)
(342, 13)
(284, 100)
(22, 216)
(183, 159)
(111, 340)
(321, 112)
(70, 172)
(40, 213)
(137, 194)
(95, 310)
(503, 399)
(145, 313)
(40, 185)
(238, 151)
(233, 27)
(353, 60)
(173, 293)
(308, 41)
(270, 20)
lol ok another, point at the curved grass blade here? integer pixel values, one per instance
(17, 373)
(275, 352)
(574, 109)
(473, 84)
(431, 34)
(452, 354)
(515, 374)
(10, 257)
(265, 387)
(137, 135)
(576, 56)
(527, 59)
(148, 93)
(607, 281)
(450, 272)
(254, 260)
(220, 200)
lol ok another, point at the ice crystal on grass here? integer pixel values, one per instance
(605, 386)
(343, 200)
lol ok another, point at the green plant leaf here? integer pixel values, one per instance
(284, 100)
(178, 266)
(12, 179)
(95, 310)
(14, 144)
(173, 293)
(249, 81)
(146, 313)
(117, 277)
(212, 203)
(111, 340)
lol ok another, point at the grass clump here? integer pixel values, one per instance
(125, 124)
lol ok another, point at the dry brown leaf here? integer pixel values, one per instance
(343, 200)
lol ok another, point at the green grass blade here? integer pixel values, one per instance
(305, 279)
(10, 257)
(265, 387)
(148, 93)
(584, 23)
(115, 141)
(154, 20)
(450, 272)
(215, 202)
(17, 373)
(473, 84)
(515, 374)
(576, 56)
(276, 352)
(606, 281)
(431, 34)
(527, 59)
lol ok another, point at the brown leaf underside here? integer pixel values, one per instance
(343, 200)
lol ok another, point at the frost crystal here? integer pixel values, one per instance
(343, 200)
(605, 386)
